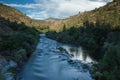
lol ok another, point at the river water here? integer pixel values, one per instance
(48, 62)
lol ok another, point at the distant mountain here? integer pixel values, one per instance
(13, 15)
(43, 23)
(52, 20)
(10, 14)
(108, 14)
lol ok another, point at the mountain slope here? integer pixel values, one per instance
(108, 14)
(13, 15)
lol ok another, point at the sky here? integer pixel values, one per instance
(43, 9)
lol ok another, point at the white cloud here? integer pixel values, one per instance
(28, 6)
(35, 14)
(59, 8)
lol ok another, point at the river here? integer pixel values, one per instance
(48, 62)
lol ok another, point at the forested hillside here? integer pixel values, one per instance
(98, 31)
(13, 15)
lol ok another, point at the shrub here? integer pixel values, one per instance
(20, 55)
(110, 64)
(2, 77)
(11, 69)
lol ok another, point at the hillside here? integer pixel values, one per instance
(51, 20)
(13, 15)
(10, 16)
(108, 14)
(43, 25)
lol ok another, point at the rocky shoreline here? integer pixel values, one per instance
(7, 68)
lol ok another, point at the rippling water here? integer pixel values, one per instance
(77, 52)
(49, 63)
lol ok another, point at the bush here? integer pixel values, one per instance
(19, 44)
(11, 69)
(2, 77)
(20, 55)
(110, 64)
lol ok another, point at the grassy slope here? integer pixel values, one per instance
(109, 13)
(13, 15)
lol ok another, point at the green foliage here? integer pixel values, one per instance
(21, 43)
(51, 34)
(17, 40)
(91, 36)
(20, 55)
(2, 77)
(109, 66)
(11, 69)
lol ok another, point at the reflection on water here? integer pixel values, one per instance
(78, 52)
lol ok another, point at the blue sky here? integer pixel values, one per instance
(43, 9)
(17, 1)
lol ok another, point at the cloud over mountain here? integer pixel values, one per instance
(42, 9)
